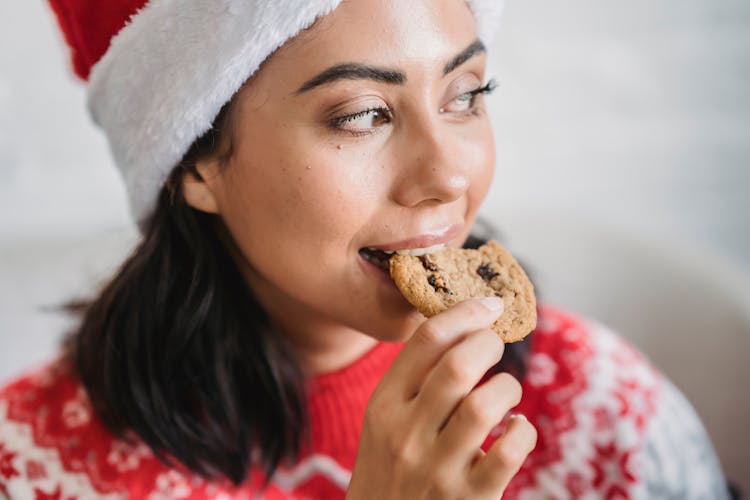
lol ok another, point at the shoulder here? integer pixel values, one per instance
(678, 458)
(598, 387)
(570, 350)
(52, 444)
(598, 404)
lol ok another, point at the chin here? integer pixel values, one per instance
(396, 330)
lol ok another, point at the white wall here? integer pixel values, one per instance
(623, 133)
(56, 176)
(634, 113)
(631, 113)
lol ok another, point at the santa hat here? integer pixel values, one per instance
(159, 71)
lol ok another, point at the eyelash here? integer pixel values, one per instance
(486, 89)
(339, 121)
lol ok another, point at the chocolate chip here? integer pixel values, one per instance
(438, 283)
(427, 263)
(486, 272)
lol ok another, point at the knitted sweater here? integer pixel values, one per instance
(610, 426)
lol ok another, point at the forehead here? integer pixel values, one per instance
(385, 32)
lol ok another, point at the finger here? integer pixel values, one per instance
(434, 337)
(492, 472)
(457, 372)
(475, 417)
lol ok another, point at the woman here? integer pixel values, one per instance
(252, 345)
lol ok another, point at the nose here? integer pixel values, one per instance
(432, 169)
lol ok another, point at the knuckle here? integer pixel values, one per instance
(403, 451)
(457, 370)
(476, 411)
(430, 333)
(442, 487)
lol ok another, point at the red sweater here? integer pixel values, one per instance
(608, 424)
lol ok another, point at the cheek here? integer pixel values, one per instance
(482, 155)
(299, 203)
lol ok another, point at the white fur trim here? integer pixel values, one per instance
(488, 14)
(169, 71)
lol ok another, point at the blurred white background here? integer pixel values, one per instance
(623, 133)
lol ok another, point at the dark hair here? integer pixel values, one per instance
(176, 349)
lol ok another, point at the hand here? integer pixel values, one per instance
(425, 422)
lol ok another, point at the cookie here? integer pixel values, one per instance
(434, 282)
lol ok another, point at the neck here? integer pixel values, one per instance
(320, 344)
(322, 347)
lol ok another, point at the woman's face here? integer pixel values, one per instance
(368, 131)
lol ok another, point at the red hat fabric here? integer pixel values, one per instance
(89, 25)
(159, 71)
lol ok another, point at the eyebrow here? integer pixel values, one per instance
(358, 71)
(354, 71)
(476, 47)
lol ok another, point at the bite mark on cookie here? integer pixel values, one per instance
(439, 280)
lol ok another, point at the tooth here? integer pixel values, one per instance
(435, 248)
(418, 252)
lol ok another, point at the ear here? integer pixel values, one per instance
(198, 190)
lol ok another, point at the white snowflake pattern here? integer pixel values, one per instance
(548, 323)
(76, 413)
(542, 370)
(125, 457)
(171, 485)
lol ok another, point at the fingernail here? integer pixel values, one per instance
(494, 304)
(519, 416)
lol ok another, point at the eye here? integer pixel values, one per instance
(362, 122)
(466, 102)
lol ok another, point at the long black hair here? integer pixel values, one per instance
(176, 350)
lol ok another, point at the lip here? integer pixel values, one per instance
(427, 239)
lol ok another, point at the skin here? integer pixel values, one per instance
(317, 195)
(313, 178)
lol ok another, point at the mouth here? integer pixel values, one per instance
(422, 244)
(380, 258)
